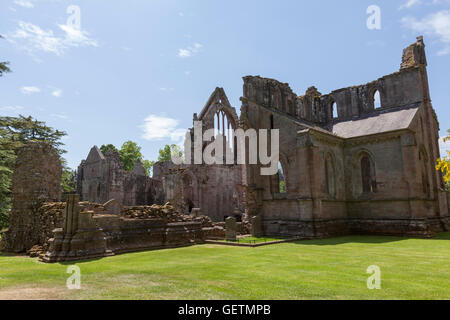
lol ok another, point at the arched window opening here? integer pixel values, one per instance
(377, 100)
(367, 175)
(334, 110)
(224, 126)
(281, 179)
(425, 180)
(188, 193)
(271, 122)
(330, 176)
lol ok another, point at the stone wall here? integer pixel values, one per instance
(102, 177)
(91, 230)
(368, 170)
(36, 179)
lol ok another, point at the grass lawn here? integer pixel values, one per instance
(319, 269)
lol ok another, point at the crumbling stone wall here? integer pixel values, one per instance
(102, 177)
(322, 157)
(91, 230)
(36, 179)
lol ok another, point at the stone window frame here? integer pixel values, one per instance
(333, 105)
(330, 158)
(425, 174)
(372, 91)
(276, 179)
(359, 174)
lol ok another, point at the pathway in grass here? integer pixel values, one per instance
(319, 269)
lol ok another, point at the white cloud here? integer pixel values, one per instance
(444, 147)
(410, 3)
(57, 93)
(33, 38)
(11, 108)
(30, 90)
(24, 3)
(160, 127)
(435, 25)
(60, 116)
(189, 51)
(166, 89)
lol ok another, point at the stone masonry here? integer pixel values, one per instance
(36, 179)
(364, 170)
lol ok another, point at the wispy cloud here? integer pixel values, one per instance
(156, 128)
(435, 25)
(30, 90)
(166, 89)
(57, 93)
(11, 108)
(33, 38)
(59, 116)
(413, 3)
(24, 3)
(409, 4)
(189, 51)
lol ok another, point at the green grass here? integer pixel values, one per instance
(254, 240)
(319, 269)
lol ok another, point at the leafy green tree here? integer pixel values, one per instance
(129, 154)
(14, 133)
(108, 148)
(148, 166)
(444, 163)
(4, 66)
(69, 180)
(166, 153)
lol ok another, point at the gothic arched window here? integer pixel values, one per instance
(368, 175)
(330, 175)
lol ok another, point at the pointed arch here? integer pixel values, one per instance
(375, 98)
(330, 174)
(334, 109)
(367, 173)
(424, 165)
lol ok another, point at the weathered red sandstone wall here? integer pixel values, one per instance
(36, 179)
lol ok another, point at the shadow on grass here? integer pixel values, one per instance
(366, 239)
(11, 254)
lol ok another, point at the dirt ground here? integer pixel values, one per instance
(31, 294)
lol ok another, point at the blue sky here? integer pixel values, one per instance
(138, 69)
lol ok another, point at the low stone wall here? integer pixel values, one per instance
(421, 228)
(91, 230)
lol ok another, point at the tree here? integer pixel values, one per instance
(129, 154)
(4, 65)
(69, 180)
(444, 163)
(166, 153)
(14, 133)
(109, 148)
(148, 166)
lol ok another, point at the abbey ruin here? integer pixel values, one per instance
(347, 167)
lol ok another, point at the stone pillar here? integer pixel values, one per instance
(36, 179)
(230, 229)
(256, 226)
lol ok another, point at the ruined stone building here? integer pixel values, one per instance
(347, 165)
(214, 189)
(102, 178)
(350, 166)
